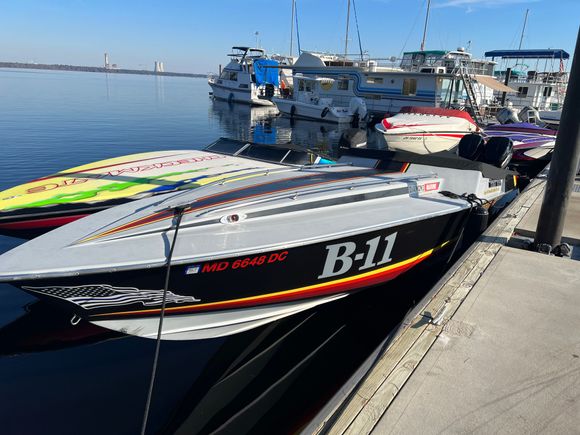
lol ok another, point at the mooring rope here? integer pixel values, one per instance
(178, 214)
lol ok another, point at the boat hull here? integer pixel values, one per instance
(312, 111)
(422, 142)
(238, 293)
(234, 95)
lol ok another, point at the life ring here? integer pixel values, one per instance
(324, 112)
(231, 98)
(292, 111)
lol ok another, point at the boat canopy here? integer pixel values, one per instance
(492, 83)
(529, 54)
(266, 71)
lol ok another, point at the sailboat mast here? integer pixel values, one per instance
(425, 28)
(292, 27)
(524, 29)
(346, 37)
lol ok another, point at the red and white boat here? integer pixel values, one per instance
(426, 130)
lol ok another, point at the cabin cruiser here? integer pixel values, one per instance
(305, 102)
(425, 130)
(48, 202)
(249, 250)
(250, 77)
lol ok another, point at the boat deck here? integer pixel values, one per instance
(492, 349)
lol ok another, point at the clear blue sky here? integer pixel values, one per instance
(194, 36)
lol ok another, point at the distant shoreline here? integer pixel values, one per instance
(58, 67)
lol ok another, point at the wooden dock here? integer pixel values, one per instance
(494, 347)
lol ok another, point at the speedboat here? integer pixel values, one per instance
(306, 102)
(246, 251)
(532, 145)
(40, 205)
(425, 130)
(250, 77)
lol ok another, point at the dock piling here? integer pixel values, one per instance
(563, 166)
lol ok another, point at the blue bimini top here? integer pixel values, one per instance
(529, 54)
(264, 74)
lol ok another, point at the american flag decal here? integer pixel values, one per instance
(103, 295)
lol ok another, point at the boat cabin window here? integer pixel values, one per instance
(298, 158)
(547, 91)
(377, 80)
(410, 87)
(342, 84)
(523, 91)
(226, 146)
(233, 76)
(305, 85)
(264, 152)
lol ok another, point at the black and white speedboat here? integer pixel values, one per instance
(258, 248)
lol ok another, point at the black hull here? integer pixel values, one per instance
(335, 266)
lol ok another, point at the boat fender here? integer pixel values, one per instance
(470, 146)
(498, 151)
(324, 112)
(476, 224)
(292, 111)
(231, 98)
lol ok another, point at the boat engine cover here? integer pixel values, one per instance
(498, 151)
(471, 146)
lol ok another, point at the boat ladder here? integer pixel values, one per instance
(468, 84)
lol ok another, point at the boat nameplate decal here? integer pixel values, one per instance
(341, 257)
(241, 263)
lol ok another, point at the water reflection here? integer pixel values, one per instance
(266, 125)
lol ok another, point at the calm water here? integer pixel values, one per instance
(56, 378)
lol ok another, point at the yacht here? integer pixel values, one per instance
(250, 77)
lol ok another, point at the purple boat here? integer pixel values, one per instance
(533, 145)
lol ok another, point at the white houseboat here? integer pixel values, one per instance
(539, 76)
(423, 78)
